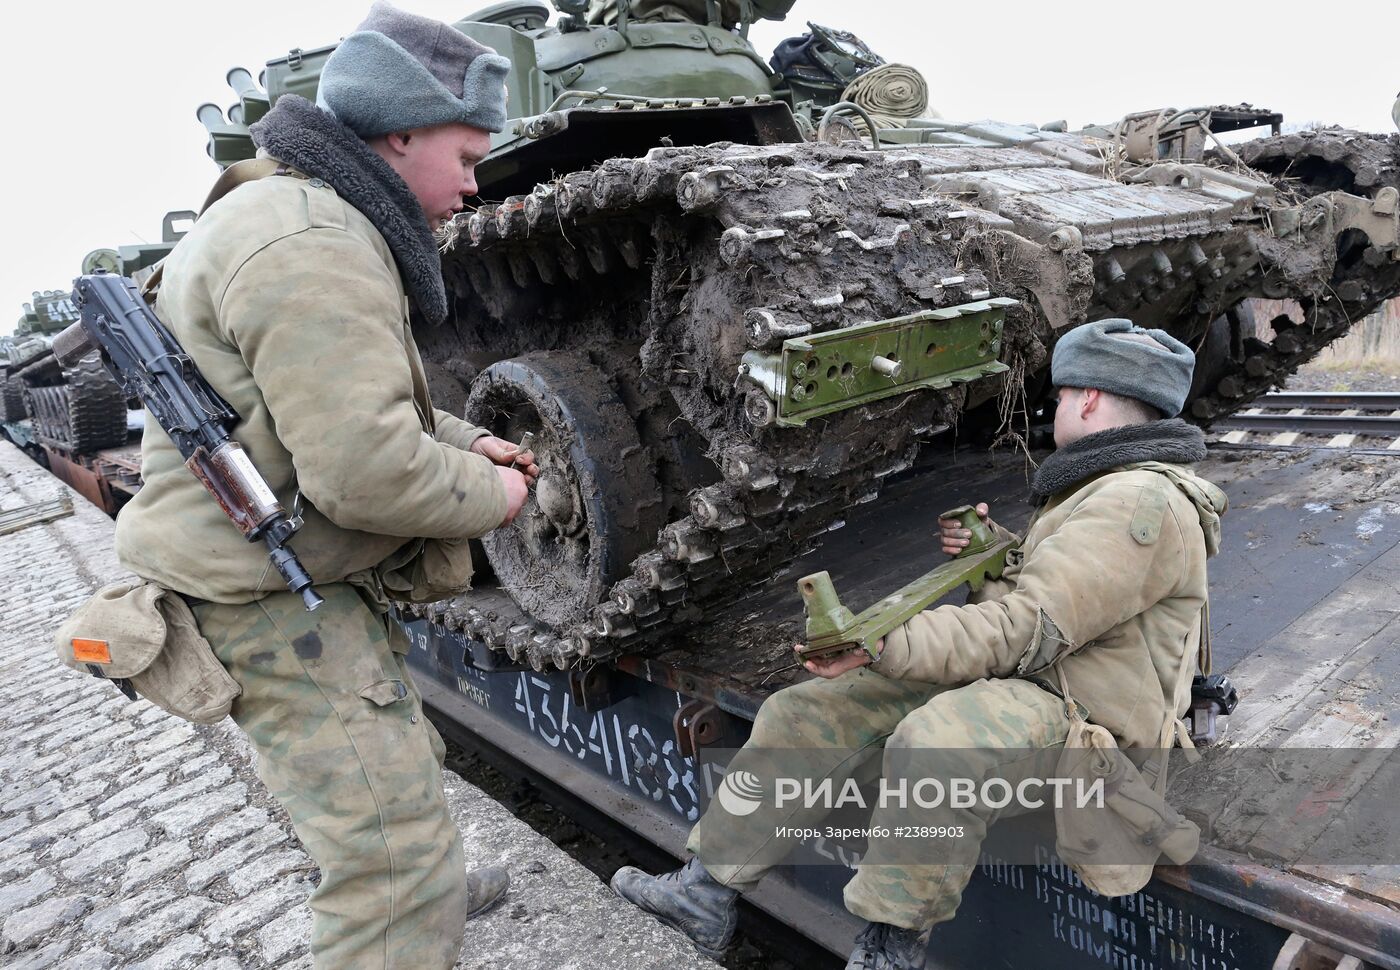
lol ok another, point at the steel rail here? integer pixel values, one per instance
(1362, 424)
(1331, 400)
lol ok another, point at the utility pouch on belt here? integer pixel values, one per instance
(427, 570)
(146, 635)
(1114, 847)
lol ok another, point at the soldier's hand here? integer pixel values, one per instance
(955, 538)
(503, 452)
(517, 491)
(835, 665)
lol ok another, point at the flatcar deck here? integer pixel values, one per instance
(1303, 610)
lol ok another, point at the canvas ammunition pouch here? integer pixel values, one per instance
(145, 635)
(420, 571)
(423, 571)
(1114, 845)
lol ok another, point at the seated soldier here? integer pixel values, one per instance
(1109, 586)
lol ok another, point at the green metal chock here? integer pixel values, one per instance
(823, 373)
(832, 628)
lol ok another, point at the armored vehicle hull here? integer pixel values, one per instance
(725, 324)
(760, 335)
(77, 409)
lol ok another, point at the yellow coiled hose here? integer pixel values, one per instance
(891, 93)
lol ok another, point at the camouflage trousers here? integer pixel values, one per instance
(343, 745)
(863, 724)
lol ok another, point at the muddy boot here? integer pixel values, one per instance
(883, 947)
(485, 888)
(688, 899)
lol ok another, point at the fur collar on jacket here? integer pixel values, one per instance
(311, 141)
(1172, 441)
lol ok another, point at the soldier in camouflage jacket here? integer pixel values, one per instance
(292, 294)
(1108, 585)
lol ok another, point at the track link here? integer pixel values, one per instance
(12, 404)
(1308, 164)
(742, 246)
(86, 413)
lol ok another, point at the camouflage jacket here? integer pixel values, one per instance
(291, 303)
(1110, 579)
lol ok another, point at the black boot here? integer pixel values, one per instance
(883, 947)
(485, 888)
(688, 899)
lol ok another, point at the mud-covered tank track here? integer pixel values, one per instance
(656, 274)
(85, 413)
(12, 404)
(594, 507)
(1306, 164)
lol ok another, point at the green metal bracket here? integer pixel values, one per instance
(833, 628)
(823, 373)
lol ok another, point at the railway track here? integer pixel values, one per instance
(1317, 419)
(602, 843)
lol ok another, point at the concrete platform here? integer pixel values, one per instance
(130, 839)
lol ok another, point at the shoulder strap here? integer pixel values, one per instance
(1205, 657)
(1071, 705)
(248, 170)
(1174, 730)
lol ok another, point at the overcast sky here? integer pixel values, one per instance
(103, 138)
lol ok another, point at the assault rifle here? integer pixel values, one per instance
(147, 361)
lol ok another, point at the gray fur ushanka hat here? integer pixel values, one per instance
(400, 71)
(1113, 355)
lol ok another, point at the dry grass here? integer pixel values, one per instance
(1372, 345)
(1370, 365)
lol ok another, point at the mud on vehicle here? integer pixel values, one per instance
(728, 318)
